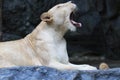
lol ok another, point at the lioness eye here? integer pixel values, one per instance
(58, 6)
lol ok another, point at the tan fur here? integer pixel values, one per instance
(46, 17)
(103, 66)
(45, 45)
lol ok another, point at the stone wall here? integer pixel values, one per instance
(45, 73)
(100, 33)
(0, 17)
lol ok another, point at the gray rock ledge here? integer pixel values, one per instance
(45, 73)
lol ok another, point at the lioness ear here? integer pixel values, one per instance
(46, 17)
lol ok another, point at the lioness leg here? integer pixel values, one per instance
(4, 63)
(70, 66)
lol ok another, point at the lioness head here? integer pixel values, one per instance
(60, 15)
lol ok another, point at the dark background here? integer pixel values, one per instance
(97, 40)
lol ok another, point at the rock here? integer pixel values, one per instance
(45, 73)
(112, 39)
(10, 36)
(0, 18)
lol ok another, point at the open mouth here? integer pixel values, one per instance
(77, 24)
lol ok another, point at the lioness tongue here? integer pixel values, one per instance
(76, 23)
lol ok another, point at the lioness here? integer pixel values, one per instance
(45, 45)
